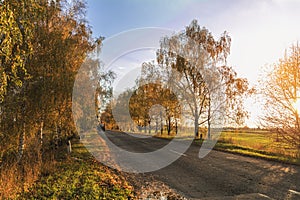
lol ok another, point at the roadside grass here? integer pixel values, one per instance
(265, 141)
(256, 153)
(257, 143)
(79, 176)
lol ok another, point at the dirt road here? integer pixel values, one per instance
(219, 174)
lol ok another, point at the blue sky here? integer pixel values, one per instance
(261, 30)
(109, 17)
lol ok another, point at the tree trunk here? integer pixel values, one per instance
(169, 125)
(176, 126)
(69, 147)
(161, 124)
(156, 126)
(41, 133)
(21, 143)
(208, 129)
(149, 131)
(196, 124)
(208, 121)
(145, 128)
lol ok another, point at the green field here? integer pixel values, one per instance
(257, 143)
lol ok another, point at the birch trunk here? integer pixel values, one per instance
(208, 122)
(21, 143)
(196, 124)
(41, 133)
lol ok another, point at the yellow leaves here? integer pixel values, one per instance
(16, 27)
(18, 83)
(3, 84)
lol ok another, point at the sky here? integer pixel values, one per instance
(261, 30)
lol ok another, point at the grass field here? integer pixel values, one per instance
(257, 143)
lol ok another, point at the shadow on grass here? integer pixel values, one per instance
(227, 147)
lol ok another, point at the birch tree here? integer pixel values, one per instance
(189, 54)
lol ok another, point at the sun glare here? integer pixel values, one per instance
(297, 105)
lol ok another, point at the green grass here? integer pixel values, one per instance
(79, 176)
(256, 153)
(258, 144)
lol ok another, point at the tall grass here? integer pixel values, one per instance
(79, 176)
(17, 175)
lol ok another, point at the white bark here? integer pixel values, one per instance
(69, 147)
(41, 133)
(208, 119)
(21, 143)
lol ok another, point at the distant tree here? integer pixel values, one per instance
(194, 63)
(147, 104)
(108, 119)
(190, 53)
(168, 107)
(281, 91)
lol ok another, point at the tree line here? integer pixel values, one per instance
(189, 77)
(43, 44)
